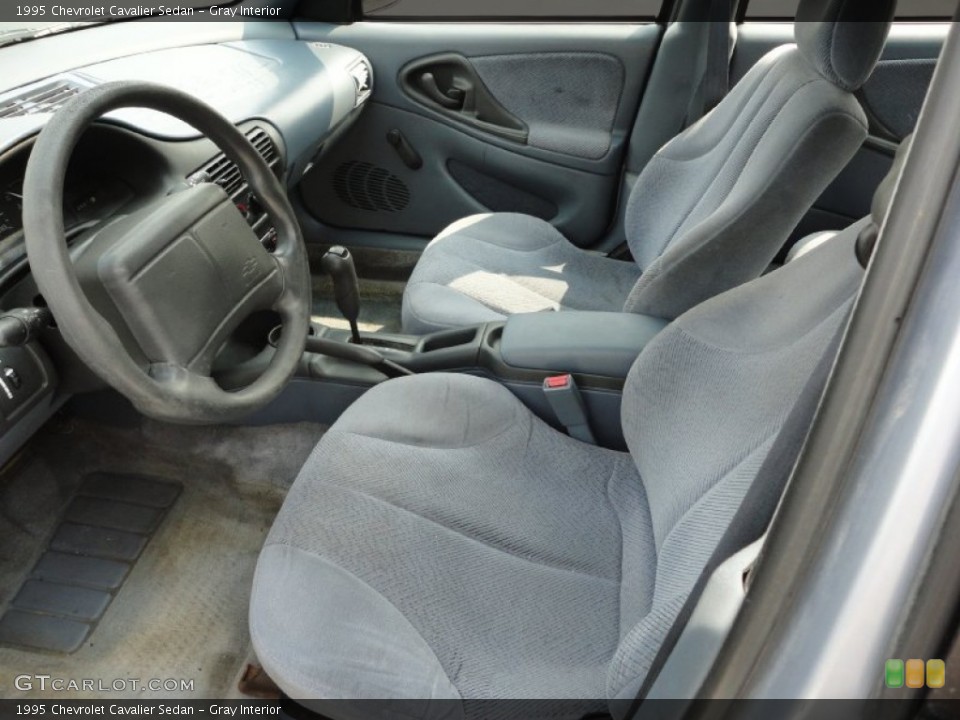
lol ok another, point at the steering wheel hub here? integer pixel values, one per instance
(152, 297)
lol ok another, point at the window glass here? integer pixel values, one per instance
(772, 9)
(906, 9)
(940, 9)
(509, 9)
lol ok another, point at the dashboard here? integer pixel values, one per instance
(291, 98)
(301, 90)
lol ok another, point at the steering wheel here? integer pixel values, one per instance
(149, 300)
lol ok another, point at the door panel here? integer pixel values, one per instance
(469, 118)
(460, 176)
(568, 100)
(892, 99)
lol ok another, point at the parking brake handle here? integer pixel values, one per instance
(338, 262)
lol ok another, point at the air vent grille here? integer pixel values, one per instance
(264, 144)
(365, 186)
(225, 173)
(45, 98)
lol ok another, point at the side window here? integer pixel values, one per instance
(772, 9)
(926, 9)
(906, 9)
(488, 10)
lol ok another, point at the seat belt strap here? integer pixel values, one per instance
(715, 82)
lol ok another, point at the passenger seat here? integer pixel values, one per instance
(709, 212)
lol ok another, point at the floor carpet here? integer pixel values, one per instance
(182, 612)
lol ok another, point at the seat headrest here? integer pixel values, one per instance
(843, 39)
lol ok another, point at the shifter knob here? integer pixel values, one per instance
(338, 262)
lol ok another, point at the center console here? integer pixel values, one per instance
(567, 367)
(596, 349)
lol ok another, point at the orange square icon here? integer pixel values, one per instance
(936, 673)
(914, 673)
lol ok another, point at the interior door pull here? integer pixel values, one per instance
(410, 157)
(448, 84)
(433, 91)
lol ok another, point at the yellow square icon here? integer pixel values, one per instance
(914, 674)
(936, 673)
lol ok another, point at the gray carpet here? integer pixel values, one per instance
(182, 612)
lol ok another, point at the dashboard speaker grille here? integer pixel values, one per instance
(365, 186)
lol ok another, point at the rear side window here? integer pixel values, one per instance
(488, 10)
(906, 9)
(926, 9)
(772, 9)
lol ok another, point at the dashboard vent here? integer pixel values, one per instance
(224, 172)
(46, 98)
(264, 144)
(365, 186)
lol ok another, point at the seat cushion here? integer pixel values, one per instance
(442, 542)
(486, 267)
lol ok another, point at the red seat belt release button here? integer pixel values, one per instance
(567, 404)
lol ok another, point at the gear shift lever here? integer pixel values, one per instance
(346, 288)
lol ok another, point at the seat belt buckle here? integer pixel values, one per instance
(566, 401)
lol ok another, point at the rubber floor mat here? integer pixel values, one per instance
(103, 531)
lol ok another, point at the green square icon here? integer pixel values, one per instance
(893, 673)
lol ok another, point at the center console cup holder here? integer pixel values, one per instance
(446, 339)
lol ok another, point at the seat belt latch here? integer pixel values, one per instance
(565, 400)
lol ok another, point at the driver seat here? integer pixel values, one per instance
(443, 542)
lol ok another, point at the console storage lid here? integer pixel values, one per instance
(589, 343)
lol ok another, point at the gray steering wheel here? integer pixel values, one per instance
(149, 300)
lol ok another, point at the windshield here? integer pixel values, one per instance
(12, 32)
(17, 31)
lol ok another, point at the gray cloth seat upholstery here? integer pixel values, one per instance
(443, 542)
(476, 275)
(709, 211)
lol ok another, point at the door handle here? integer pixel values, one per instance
(452, 99)
(449, 84)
